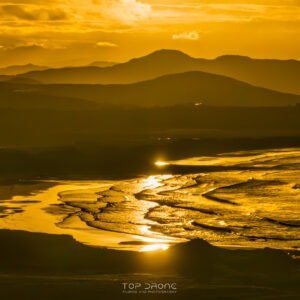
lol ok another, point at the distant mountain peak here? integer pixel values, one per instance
(168, 52)
(19, 69)
(231, 57)
(102, 63)
(164, 54)
(29, 65)
(24, 66)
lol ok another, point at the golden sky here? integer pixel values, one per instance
(57, 32)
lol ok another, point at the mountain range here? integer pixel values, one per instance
(160, 95)
(280, 75)
(190, 88)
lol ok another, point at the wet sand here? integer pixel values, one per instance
(55, 266)
(250, 201)
(42, 210)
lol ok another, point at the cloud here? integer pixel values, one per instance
(32, 14)
(127, 11)
(193, 35)
(106, 44)
(263, 28)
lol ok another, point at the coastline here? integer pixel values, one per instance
(46, 266)
(228, 207)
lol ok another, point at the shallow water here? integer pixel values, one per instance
(251, 200)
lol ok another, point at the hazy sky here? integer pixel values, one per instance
(79, 31)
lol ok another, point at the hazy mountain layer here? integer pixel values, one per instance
(18, 69)
(281, 75)
(186, 88)
(25, 96)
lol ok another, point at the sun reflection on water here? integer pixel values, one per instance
(154, 181)
(154, 241)
(151, 182)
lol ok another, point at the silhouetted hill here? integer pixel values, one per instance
(23, 96)
(14, 70)
(57, 266)
(186, 88)
(156, 64)
(21, 80)
(5, 77)
(282, 75)
(166, 60)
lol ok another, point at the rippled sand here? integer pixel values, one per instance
(242, 199)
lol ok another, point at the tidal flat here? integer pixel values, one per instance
(203, 225)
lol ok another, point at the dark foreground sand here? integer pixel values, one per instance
(41, 266)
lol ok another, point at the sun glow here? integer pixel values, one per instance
(155, 247)
(161, 163)
(64, 32)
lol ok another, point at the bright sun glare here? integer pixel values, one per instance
(161, 163)
(155, 247)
